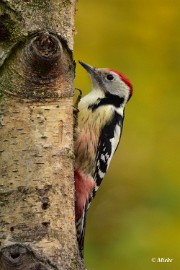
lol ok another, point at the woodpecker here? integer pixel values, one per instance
(99, 128)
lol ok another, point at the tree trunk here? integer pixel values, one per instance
(37, 225)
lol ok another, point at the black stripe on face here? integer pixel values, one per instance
(114, 100)
(109, 99)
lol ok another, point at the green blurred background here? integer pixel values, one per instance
(136, 213)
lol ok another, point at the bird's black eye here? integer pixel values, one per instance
(110, 77)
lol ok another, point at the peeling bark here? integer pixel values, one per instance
(37, 227)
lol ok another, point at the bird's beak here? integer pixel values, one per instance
(94, 74)
(87, 67)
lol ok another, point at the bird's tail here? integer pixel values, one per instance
(80, 228)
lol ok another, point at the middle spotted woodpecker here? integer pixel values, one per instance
(100, 122)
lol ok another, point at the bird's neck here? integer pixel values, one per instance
(97, 98)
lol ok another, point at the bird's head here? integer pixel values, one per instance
(109, 81)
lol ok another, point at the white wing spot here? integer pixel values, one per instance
(101, 174)
(96, 188)
(102, 157)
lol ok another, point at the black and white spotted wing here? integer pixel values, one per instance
(108, 143)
